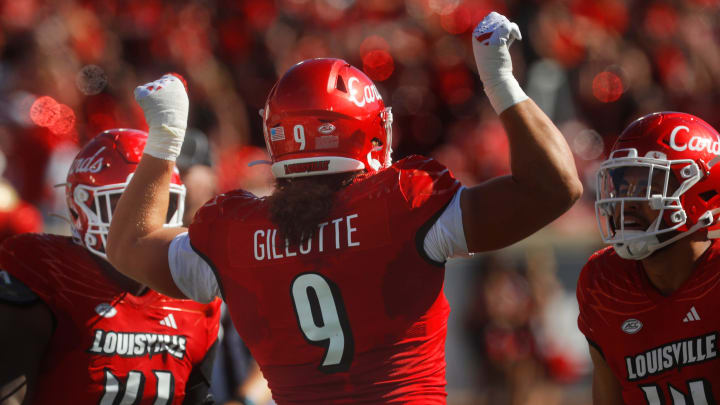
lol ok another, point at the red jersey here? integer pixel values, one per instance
(357, 313)
(662, 349)
(108, 346)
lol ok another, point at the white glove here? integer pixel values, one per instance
(491, 39)
(165, 104)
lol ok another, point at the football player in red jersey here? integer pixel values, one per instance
(335, 282)
(648, 304)
(79, 331)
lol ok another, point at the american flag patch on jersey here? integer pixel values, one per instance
(277, 134)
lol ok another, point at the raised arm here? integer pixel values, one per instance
(138, 243)
(544, 182)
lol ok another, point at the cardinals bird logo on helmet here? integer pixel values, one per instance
(97, 177)
(665, 161)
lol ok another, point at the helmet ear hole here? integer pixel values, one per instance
(707, 195)
(172, 207)
(340, 84)
(103, 208)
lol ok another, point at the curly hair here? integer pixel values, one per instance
(299, 204)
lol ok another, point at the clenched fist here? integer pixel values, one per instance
(491, 42)
(165, 104)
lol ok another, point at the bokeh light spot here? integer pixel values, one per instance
(587, 144)
(455, 86)
(378, 65)
(607, 87)
(443, 7)
(91, 80)
(458, 21)
(661, 21)
(373, 43)
(65, 122)
(44, 111)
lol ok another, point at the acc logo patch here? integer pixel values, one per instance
(106, 310)
(631, 326)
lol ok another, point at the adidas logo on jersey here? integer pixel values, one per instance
(692, 315)
(169, 321)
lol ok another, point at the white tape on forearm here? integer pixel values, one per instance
(165, 142)
(505, 94)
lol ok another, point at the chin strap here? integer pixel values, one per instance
(259, 162)
(638, 248)
(641, 248)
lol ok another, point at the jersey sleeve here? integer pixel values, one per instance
(191, 273)
(199, 230)
(446, 238)
(426, 188)
(14, 291)
(584, 298)
(16, 259)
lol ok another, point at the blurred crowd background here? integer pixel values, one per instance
(68, 68)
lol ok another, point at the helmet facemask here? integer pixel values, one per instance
(97, 204)
(626, 183)
(374, 158)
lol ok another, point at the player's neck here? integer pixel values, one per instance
(670, 267)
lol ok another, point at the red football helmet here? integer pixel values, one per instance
(99, 174)
(325, 116)
(666, 160)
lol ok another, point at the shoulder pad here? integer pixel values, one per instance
(32, 246)
(224, 203)
(14, 291)
(603, 255)
(418, 162)
(601, 265)
(424, 178)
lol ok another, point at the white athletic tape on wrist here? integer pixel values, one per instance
(505, 94)
(165, 142)
(165, 105)
(491, 41)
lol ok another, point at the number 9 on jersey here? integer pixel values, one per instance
(321, 316)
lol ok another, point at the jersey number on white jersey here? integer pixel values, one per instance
(321, 316)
